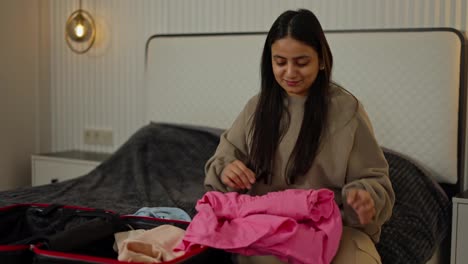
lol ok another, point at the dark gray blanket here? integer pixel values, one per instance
(162, 165)
(421, 216)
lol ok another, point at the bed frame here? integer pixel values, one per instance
(412, 83)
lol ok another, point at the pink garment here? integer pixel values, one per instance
(297, 226)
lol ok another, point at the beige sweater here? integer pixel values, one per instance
(349, 157)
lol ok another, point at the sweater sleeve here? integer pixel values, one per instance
(232, 146)
(368, 170)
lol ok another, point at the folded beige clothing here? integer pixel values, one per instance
(149, 246)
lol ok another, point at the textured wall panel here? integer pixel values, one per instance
(104, 88)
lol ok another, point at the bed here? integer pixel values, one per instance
(411, 83)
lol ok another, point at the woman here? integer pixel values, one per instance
(303, 131)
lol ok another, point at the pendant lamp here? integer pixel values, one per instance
(80, 31)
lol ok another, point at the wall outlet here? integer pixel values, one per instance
(94, 136)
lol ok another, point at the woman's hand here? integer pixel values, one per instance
(236, 175)
(362, 203)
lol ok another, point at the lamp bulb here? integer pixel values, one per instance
(79, 30)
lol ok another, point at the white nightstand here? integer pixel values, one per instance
(460, 229)
(60, 166)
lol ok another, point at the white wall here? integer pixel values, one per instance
(104, 88)
(19, 52)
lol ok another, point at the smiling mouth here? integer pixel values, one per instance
(292, 83)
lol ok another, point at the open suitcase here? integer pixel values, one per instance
(42, 233)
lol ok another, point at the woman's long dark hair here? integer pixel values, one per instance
(267, 127)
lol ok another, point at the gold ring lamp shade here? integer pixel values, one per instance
(80, 31)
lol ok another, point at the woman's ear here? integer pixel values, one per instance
(322, 67)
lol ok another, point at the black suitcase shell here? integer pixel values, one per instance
(43, 233)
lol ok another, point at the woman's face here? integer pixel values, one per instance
(295, 65)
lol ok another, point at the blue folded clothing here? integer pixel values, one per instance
(172, 213)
